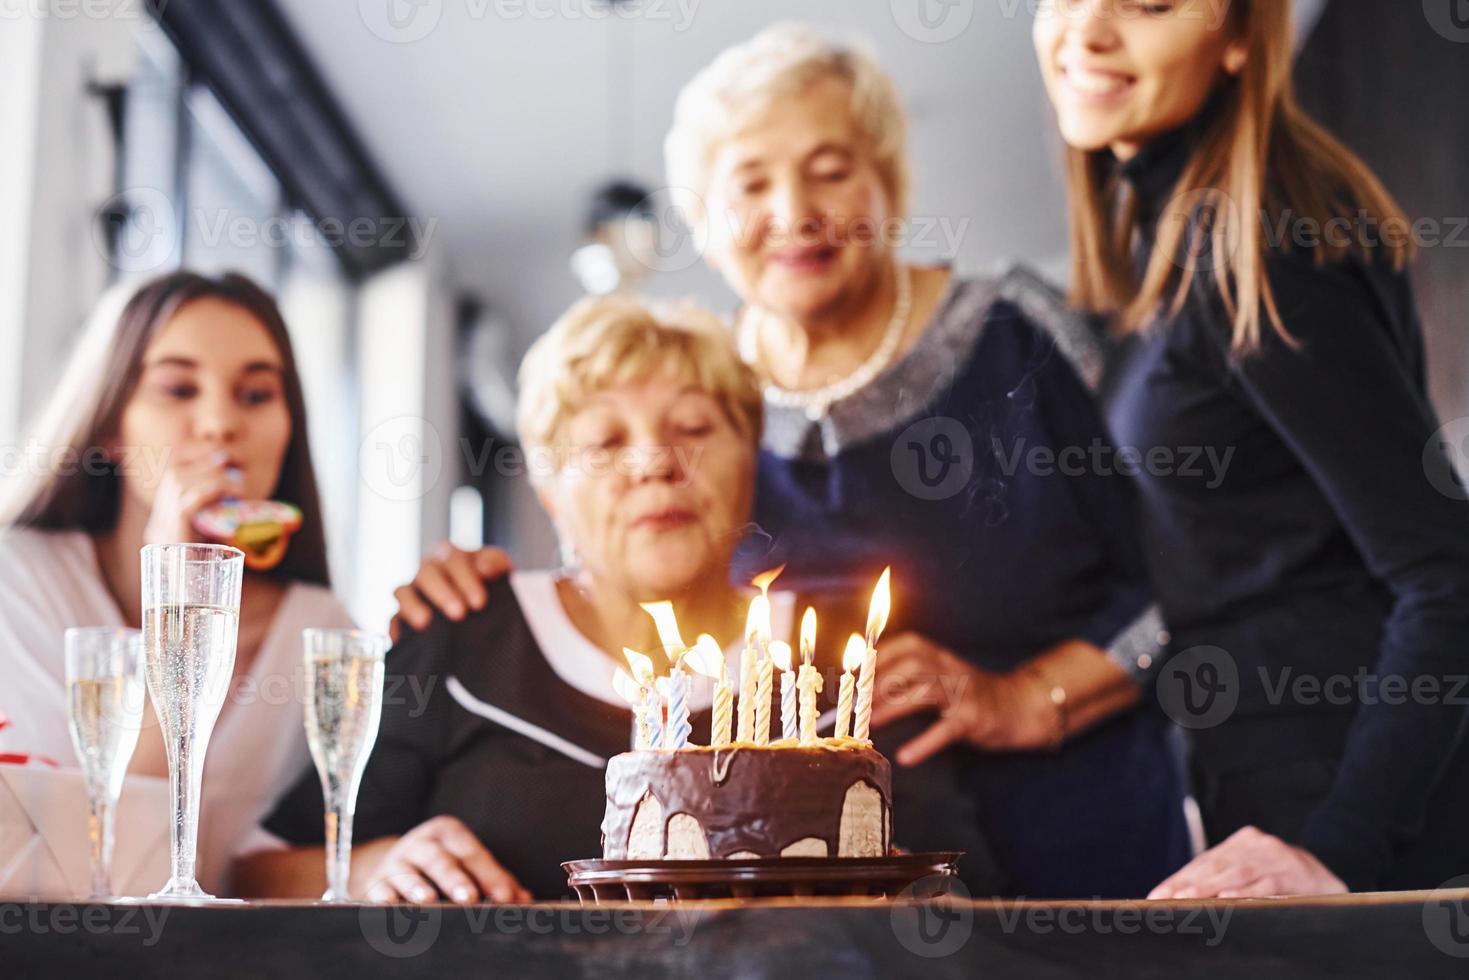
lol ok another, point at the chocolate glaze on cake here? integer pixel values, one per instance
(752, 800)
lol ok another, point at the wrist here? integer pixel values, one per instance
(1048, 700)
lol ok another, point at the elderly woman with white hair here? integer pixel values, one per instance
(640, 428)
(914, 418)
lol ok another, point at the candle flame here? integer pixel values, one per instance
(808, 635)
(853, 654)
(642, 666)
(664, 686)
(780, 652)
(667, 623)
(764, 580)
(757, 621)
(706, 658)
(627, 688)
(877, 612)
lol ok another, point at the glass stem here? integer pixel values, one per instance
(184, 780)
(99, 833)
(338, 845)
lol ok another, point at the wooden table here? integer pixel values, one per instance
(1395, 935)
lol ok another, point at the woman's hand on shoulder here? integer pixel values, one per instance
(450, 581)
(984, 709)
(440, 857)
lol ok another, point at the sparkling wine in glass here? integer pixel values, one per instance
(104, 689)
(191, 613)
(344, 700)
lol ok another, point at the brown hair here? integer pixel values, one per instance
(1263, 158)
(87, 410)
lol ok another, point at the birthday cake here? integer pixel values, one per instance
(830, 799)
(746, 794)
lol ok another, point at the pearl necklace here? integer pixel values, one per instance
(817, 401)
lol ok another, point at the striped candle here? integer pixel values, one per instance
(788, 721)
(851, 662)
(654, 711)
(780, 654)
(723, 711)
(865, 685)
(764, 682)
(747, 695)
(678, 709)
(810, 685)
(877, 620)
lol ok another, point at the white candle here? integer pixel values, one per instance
(851, 661)
(629, 690)
(757, 635)
(747, 695)
(764, 683)
(810, 684)
(780, 654)
(676, 735)
(808, 678)
(877, 619)
(788, 716)
(650, 714)
(676, 686)
(654, 713)
(706, 658)
(865, 684)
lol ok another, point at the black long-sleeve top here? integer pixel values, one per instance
(1333, 544)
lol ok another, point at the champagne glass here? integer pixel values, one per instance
(344, 700)
(191, 615)
(104, 686)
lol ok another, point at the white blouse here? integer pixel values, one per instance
(50, 581)
(579, 662)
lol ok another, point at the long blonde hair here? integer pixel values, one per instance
(1260, 155)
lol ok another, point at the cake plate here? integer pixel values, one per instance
(599, 881)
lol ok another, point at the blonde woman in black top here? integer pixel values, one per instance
(1325, 553)
(640, 431)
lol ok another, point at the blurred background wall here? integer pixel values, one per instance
(466, 136)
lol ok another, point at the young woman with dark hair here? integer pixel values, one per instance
(188, 396)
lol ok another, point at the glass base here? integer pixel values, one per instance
(188, 893)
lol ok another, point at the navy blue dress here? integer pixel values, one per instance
(979, 469)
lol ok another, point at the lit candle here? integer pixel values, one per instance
(877, 620)
(780, 655)
(759, 613)
(631, 692)
(764, 683)
(851, 660)
(642, 672)
(676, 687)
(809, 683)
(706, 658)
(757, 635)
(675, 691)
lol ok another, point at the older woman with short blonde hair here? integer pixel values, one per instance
(641, 426)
